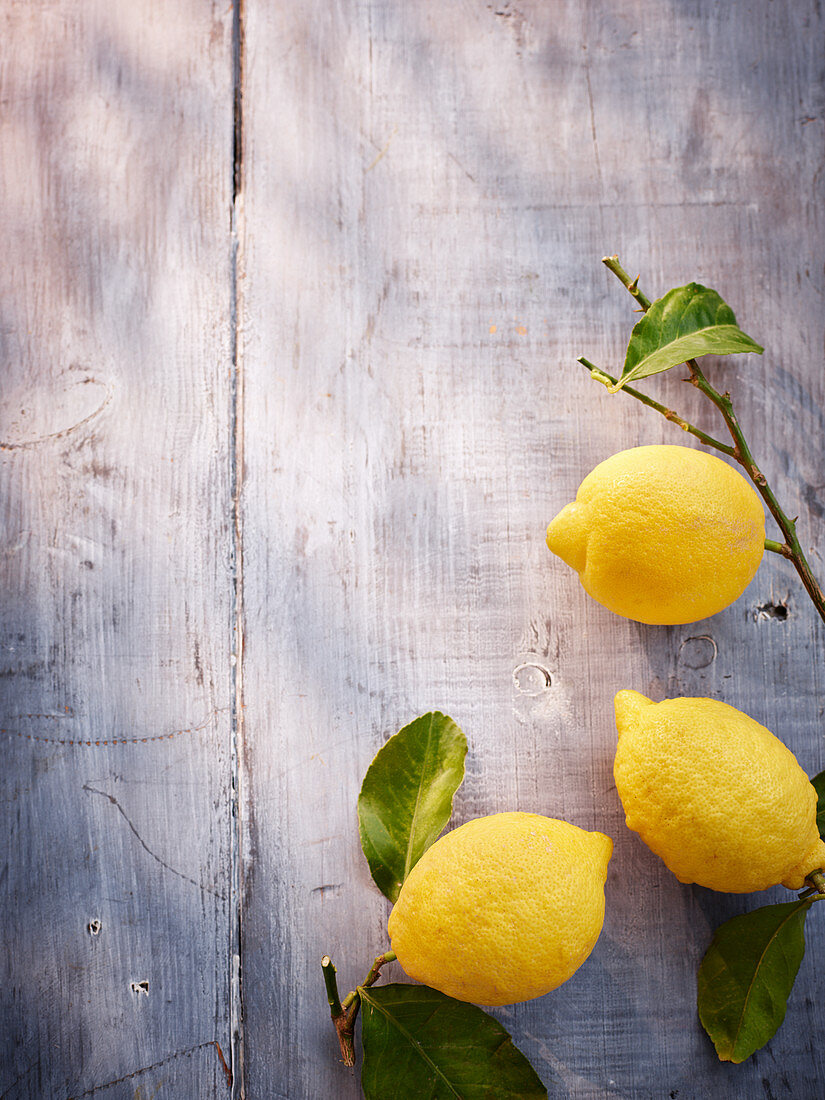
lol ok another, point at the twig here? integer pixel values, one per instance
(740, 450)
(344, 1021)
(345, 1013)
(779, 548)
(331, 983)
(375, 969)
(612, 263)
(598, 375)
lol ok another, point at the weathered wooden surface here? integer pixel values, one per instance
(426, 192)
(116, 138)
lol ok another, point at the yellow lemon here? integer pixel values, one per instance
(720, 799)
(502, 909)
(662, 534)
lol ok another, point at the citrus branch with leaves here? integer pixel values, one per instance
(717, 338)
(416, 1041)
(749, 969)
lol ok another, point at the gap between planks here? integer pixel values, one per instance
(235, 1072)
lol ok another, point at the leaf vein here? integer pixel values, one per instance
(414, 1043)
(425, 770)
(752, 982)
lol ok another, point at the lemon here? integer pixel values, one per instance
(720, 799)
(502, 909)
(662, 534)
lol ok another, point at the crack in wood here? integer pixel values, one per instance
(227, 1071)
(112, 740)
(156, 1065)
(147, 849)
(235, 1074)
(24, 443)
(21, 1077)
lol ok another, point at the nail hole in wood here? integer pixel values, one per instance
(772, 610)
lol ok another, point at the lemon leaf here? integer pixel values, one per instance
(686, 323)
(818, 783)
(747, 975)
(407, 796)
(419, 1042)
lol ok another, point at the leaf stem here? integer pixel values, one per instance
(778, 548)
(375, 969)
(740, 451)
(345, 1013)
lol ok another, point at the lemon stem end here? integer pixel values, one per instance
(816, 891)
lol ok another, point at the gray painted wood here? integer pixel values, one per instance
(426, 192)
(116, 138)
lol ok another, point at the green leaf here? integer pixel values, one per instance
(419, 1043)
(747, 975)
(407, 797)
(818, 783)
(689, 321)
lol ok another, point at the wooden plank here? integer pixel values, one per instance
(428, 192)
(116, 626)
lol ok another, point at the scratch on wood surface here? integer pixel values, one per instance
(147, 849)
(156, 1065)
(227, 1071)
(592, 110)
(8, 445)
(383, 152)
(139, 1094)
(20, 1077)
(328, 887)
(458, 163)
(109, 741)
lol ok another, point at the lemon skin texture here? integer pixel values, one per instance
(662, 534)
(721, 800)
(502, 909)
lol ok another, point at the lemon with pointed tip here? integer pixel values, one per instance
(502, 909)
(662, 534)
(716, 795)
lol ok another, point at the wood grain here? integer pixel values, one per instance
(115, 336)
(427, 194)
(289, 313)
